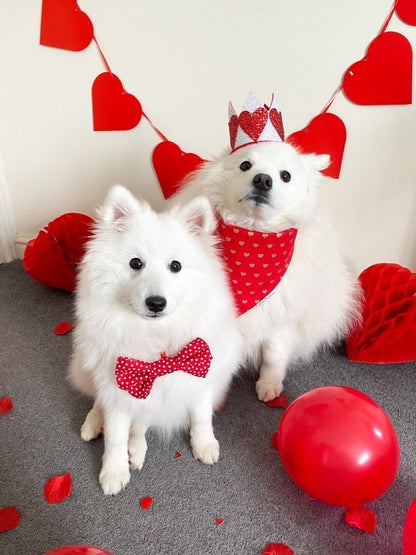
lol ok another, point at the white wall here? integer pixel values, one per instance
(184, 60)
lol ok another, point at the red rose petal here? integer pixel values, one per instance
(219, 521)
(79, 550)
(362, 518)
(6, 405)
(178, 455)
(146, 502)
(277, 549)
(58, 488)
(63, 327)
(280, 401)
(274, 441)
(9, 518)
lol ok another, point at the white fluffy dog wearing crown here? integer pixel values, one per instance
(292, 290)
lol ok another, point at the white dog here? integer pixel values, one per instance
(267, 194)
(151, 285)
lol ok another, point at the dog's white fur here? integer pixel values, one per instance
(113, 320)
(318, 299)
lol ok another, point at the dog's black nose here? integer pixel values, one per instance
(155, 303)
(262, 182)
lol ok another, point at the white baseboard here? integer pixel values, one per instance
(21, 241)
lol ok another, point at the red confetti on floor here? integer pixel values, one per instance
(6, 405)
(63, 327)
(58, 488)
(219, 521)
(281, 402)
(277, 549)
(274, 441)
(146, 502)
(9, 518)
(361, 518)
(178, 455)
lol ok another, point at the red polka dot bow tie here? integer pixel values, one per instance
(137, 376)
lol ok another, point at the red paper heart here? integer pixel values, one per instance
(384, 76)
(325, 134)
(253, 123)
(172, 165)
(388, 331)
(64, 25)
(146, 502)
(52, 257)
(406, 10)
(113, 108)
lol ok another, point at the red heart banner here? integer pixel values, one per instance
(388, 331)
(172, 165)
(325, 134)
(384, 76)
(113, 108)
(406, 10)
(64, 25)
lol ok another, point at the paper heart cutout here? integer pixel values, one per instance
(253, 123)
(406, 10)
(113, 108)
(384, 75)
(64, 25)
(388, 331)
(52, 258)
(172, 165)
(325, 134)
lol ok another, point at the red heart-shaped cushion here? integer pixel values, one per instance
(253, 123)
(388, 331)
(52, 257)
(384, 76)
(406, 10)
(113, 108)
(172, 165)
(325, 134)
(64, 25)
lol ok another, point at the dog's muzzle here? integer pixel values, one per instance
(260, 188)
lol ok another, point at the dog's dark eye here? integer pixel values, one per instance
(245, 166)
(136, 264)
(175, 266)
(285, 176)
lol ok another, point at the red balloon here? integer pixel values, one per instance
(339, 446)
(409, 532)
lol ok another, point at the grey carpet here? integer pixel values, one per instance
(248, 488)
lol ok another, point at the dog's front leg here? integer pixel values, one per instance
(137, 445)
(205, 446)
(276, 353)
(115, 474)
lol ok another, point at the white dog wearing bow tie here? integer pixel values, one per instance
(292, 289)
(156, 341)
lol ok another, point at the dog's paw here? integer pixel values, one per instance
(208, 452)
(91, 428)
(267, 391)
(137, 451)
(113, 480)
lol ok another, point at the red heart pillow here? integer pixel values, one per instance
(388, 331)
(172, 165)
(325, 134)
(52, 257)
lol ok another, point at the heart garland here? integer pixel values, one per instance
(325, 134)
(172, 165)
(388, 331)
(64, 25)
(384, 76)
(406, 10)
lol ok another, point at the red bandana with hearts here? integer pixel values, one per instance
(256, 262)
(137, 376)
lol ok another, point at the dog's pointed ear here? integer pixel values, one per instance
(200, 214)
(318, 162)
(118, 204)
